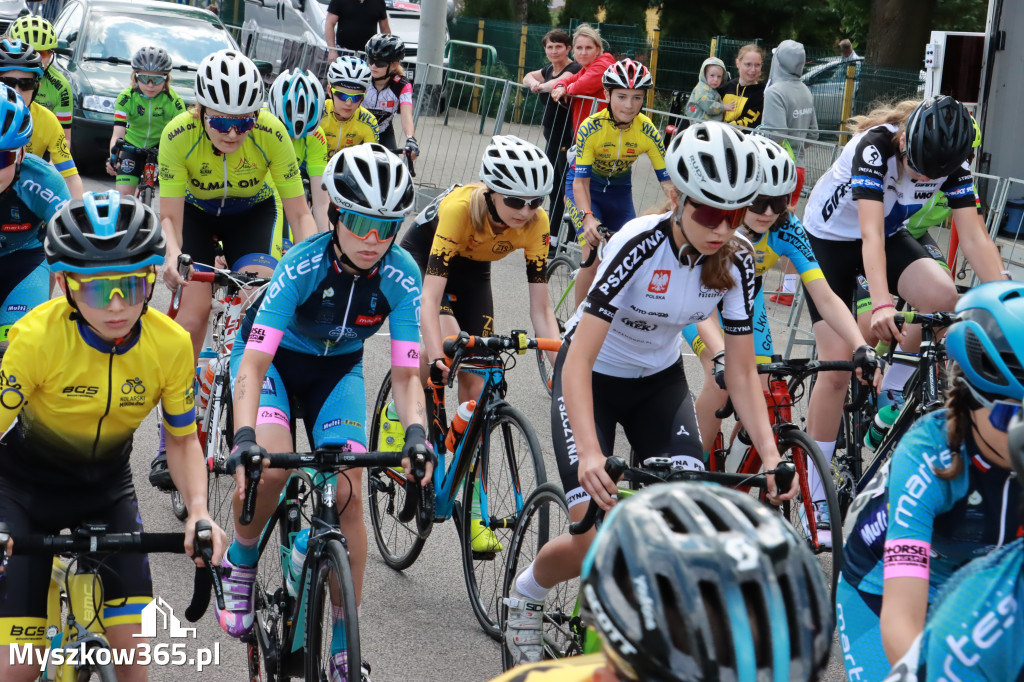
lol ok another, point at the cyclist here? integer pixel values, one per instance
(54, 90)
(620, 362)
(775, 232)
(391, 91)
(81, 373)
(36, 194)
(140, 114)
(947, 495)
(297, 99)
(598, 185)
(346, 122)
(900, 157)
(678, 583)
(305, 343)
(21, 69)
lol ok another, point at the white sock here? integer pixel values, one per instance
(789, 283)
(528, 586)
(896, 377)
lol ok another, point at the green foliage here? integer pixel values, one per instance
(582, 10)
(950, 15)
(505, 10)
(537, 12)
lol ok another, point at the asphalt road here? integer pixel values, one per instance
(416, 625)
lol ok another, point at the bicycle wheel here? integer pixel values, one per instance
(104, 672)
(514, 467)
(146, 194)
(545, 516)
(398, 543)
(332, 625)
(801, 448)
(561, 273)
(846, 462)
(220, 431)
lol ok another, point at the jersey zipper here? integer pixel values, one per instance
(110, 395)
(149, 121)
(224, 198)
(348, 309)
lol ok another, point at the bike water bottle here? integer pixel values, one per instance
(392, 435)
(462, 418)
(884, 419)
(737, 451)
(298, 557)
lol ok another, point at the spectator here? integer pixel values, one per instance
(705, 104)
(846, 49)
(555, 122)
(362, 18)
(746, 89)
(587, 50)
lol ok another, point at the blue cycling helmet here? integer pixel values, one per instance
(15, 120)
(687, 581)
(987, 341)
(298, 100)
(18, 56)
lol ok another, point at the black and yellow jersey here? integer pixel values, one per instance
(73, 401)
(572, 669)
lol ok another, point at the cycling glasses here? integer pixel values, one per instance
(516, 203)
(761, 204)
(347, 96)
(151, 78)
(362, 226)
(224, 124)
(1002, 413)
(8, 158)
(24, 84)
(711, 217)
(380, 63)
(98, 291)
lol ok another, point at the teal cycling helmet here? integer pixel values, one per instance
(687, 581)
(987, 341)
(15, 120)
(298, 100)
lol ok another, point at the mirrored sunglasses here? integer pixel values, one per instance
(516, 203)
(25, 84)
(224, 124)
(348, 96)
(1001, 413)
(380, 63)
(761, 204)
(8, 158)
(362, 226)
(711, 217)
(151, 78)
(98, 291)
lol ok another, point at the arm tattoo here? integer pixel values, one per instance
(240, 383)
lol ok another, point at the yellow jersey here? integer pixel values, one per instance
(362, 127)
(48, 140)
(572, 669)
(604, 149)
(311, 153)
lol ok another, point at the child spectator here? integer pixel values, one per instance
(705, 104)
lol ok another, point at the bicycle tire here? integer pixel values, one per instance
(545, 516)
(799, 446)
(146, 193)
(511, 476)
(331, 583)
(560, 274)
(397, 542)
(847, 459)
(220, 485)
(105, 673)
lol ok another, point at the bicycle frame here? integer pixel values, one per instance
(79, 589)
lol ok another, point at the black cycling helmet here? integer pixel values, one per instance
(104, 231)
(687, 581)
(152, 59)
(385, 47)
(18, 56)
(940, 135)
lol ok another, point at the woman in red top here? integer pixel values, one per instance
(587, 51)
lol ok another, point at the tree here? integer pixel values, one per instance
(898, 31)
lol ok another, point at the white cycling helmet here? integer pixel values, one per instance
(715, 164)
(229, 82)
(298, 100)
(369, 179)
(777, 168)
(349, 72)
(516, 168)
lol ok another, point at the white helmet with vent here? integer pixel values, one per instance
(229, 82)
(715, 164)
(516, 168)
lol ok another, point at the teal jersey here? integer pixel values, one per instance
(146, 117)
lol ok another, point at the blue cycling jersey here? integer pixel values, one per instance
(38, 193)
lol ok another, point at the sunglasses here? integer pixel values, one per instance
(98, 291)
(380, 63)
(151, 78)
(25, 84)
(347, 97)
(362, 226)
(8, 158)
(1001, 413)
(224, 124)
(711, 217)
(761, 204)
(516, 203)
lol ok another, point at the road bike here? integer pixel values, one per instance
(123, 158)
(497, 461)
(300, 626)
(545, 516)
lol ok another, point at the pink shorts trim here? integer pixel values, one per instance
(272, 415)
(264, 339)
(906, 559)
(405, 353)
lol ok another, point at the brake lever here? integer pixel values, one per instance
(253, 462)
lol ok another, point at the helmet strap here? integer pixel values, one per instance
(686, 254)
(616, 122)
(492, 209)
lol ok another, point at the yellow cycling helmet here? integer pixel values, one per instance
(977, 132)
(35, 31)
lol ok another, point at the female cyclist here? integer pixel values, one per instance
(391, 91)
(586, 85)
(947, 495)
(305, 342)
(57, 468)
(620, 362)
(598, 185)
(54, 89)
(346, 122)
(898, 159)
(31, 192)
(140, 114)
(297, 99)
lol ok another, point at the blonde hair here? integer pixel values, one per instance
(479, 216)
(892, 114)
(588, 31)
(751, 47)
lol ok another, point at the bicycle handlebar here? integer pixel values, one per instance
(796, 368)
(404, 152)
(598, 251)
(517, 341)
(937, 320)
(218, 277)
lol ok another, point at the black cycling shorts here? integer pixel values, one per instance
(249, 232)
(842, 263)
(863, 295)
(43, 508)
(467, 295)
(656, 412)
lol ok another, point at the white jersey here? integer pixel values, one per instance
(648, 296)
